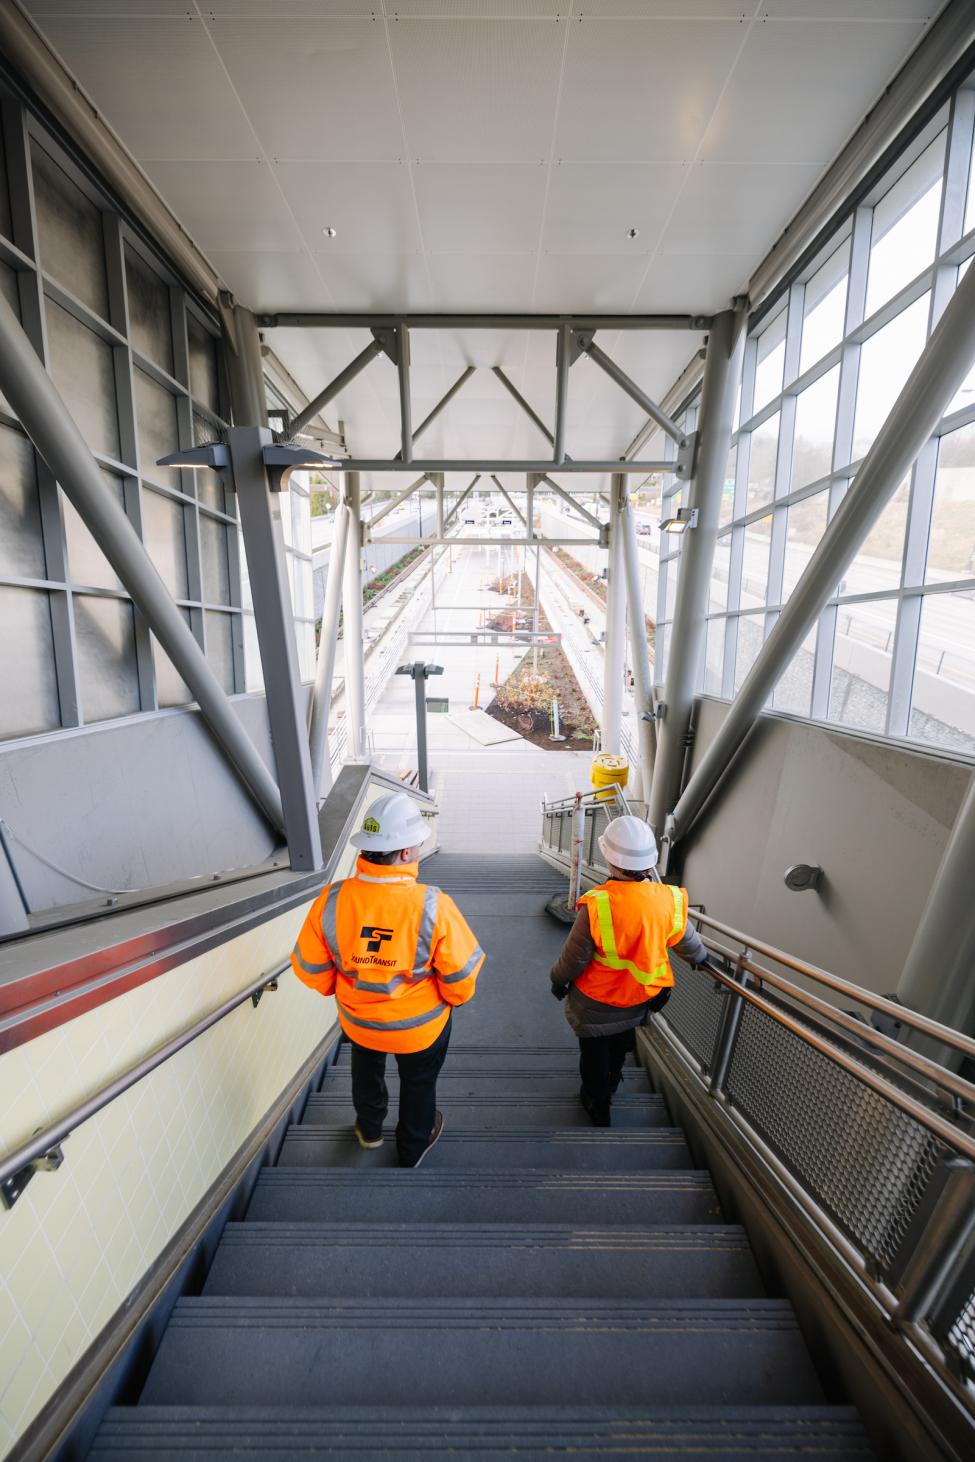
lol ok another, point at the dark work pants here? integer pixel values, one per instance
(601, 1058)
(418, 1072)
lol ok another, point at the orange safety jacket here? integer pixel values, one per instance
(632, 926)
(396, 954)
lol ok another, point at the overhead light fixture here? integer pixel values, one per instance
(683, 519)
(330, 232)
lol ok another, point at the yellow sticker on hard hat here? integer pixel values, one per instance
(371, 826)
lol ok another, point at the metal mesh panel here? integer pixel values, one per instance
(695, 1009)
(960, 1340)
(863, 1160)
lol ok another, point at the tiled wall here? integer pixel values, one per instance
(80, 1239)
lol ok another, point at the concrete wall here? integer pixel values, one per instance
(876, 816)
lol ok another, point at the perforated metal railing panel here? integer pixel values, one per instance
(960, 1340)
(695, 1010)
(867, 1163)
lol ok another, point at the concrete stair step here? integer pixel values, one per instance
(451, 1083)
(479, 1433)
(541, 1352)
(483, 1059)
(459, 1196)
(584, 1149)
(483, 1261)
(471, 1113)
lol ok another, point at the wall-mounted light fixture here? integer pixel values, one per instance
(683, 519)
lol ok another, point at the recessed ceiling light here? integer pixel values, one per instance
(632, 233)
(330, 232)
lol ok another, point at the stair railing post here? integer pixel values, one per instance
(727, 1037)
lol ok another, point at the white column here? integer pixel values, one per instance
(612, 724)
(355, 671)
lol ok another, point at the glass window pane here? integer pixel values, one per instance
(69, 233)
(793, 693)
(171, 688)
(253, 670)
(220, 648)
(21, 545)
(209, 485)
(204, 378)
(164, 534)
(158, 433)
(213, 553)
(754, 572)
(30, 700)
(306, 650)
(661, 638)
(769, 362)
(718, 592)
(806, 526)
(751, 633)
(886, 361)
(951, 552)
(943, 702)
(824, 308)
(812, 453)
(670, 588)
(105, 640)
(879, 562)
(86, 563)
(83, 370)
(862, 657)
(761, 464)
(714, 657)
(151, 331)
(727, 510)
(905, 226)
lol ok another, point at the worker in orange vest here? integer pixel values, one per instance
(398, 956)
(614, 966)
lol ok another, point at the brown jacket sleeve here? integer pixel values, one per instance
(579, 949)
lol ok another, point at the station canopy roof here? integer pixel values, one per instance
(488, 156)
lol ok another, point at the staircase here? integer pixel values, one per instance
(537, 1287)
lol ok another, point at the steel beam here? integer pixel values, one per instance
(321, 700)
(261, 526)
(563, 360)
(328, 320)
(590, 518)
(352, 637)
(929, 390)
(244, 365)
(492, 542)
(451, 515)
(343, 379)
(445, 400)
(611, 728)
(46, 420)
(395, 502)
(685, 384)
(508, 499)
(722, 371)
(617, 374)
(500, 464)
(640, 649)
(937, 977)
(405, 404)
(516, 395)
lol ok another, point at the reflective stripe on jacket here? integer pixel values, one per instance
(395, 953)
(633, 923)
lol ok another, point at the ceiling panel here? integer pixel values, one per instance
(478, 91)
(488, 282)
(484, 207)
(376, 281)
(160, 85)
(318, 89)
(271, 281)
(882, 10)
(234, 207)
(576, 283)
(642, 90)
(744, 208)
(797, 90)
(700, 283)
(592, 206)
(370, 205)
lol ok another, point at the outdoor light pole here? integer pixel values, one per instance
(420, 674)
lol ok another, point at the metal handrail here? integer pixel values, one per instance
(943, 1034)
(42, 1146)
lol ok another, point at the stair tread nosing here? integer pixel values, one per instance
(507, 1147)
(691, 1434)
(470, 1113)
(542, 1352)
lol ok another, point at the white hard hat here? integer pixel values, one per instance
(629, 843)
(392, 822)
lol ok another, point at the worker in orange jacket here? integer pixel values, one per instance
(398, 956)
(614, 966)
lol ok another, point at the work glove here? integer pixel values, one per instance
(560, 991)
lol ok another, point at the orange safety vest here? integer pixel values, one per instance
(632, 925)
(396, 954)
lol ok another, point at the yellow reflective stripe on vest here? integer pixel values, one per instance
(607, 934)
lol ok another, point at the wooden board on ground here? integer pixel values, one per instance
(484, 729)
